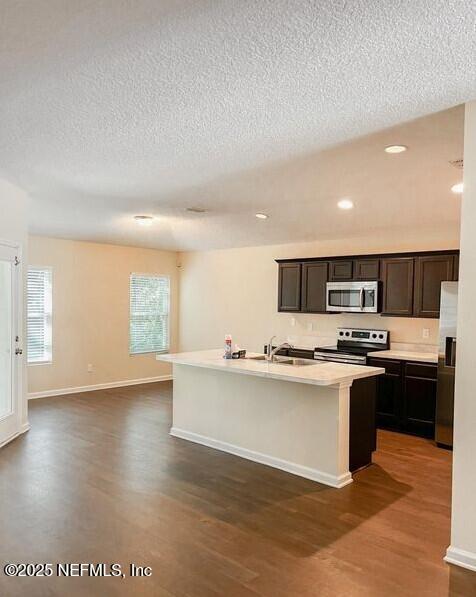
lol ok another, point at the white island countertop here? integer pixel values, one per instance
(321, 373)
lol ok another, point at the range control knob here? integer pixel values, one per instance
(374, 335)
(347, 333)
(341, 333)
(380, 336)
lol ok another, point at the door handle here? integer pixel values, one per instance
(361, 299)
(18, 351)
(450, 352)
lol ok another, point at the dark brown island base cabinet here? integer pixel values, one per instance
(410, 282)
(406, 396)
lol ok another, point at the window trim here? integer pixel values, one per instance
(143, 352)
(49, 269)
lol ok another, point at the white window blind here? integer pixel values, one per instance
(39, 315)
(149, 313)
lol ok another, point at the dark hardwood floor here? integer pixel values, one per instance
(98, 479)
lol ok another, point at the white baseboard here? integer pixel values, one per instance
(99, 386)
(284, 465)
(461, 557)
(25, 427)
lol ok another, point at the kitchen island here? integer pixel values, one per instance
(311, 418)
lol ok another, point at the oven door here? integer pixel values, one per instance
(355, 297)
(337, 357)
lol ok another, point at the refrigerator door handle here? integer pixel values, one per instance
(450, 352)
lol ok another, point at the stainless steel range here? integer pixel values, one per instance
(353, 344)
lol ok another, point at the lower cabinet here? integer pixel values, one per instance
(406, 396)
(362, 430)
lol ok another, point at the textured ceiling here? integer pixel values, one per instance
(110, 108)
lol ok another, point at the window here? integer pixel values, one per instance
(149, 313)
(39, 315)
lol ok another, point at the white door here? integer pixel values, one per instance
(10, 350)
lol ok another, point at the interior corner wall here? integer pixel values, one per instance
(463, 527)
(91, 314)
(14, 228)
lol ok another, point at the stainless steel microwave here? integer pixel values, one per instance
(354, 297)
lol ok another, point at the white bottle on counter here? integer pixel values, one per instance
(228, 348)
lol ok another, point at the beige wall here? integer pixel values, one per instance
(463, 531)
(91, 312)
(235, 291)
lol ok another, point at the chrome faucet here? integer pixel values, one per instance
(272, 352)
(270, 347)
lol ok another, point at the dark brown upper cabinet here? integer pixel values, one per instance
(411, 282)
(366, 269)
(313, 292)
(430, 272)
(289, 287)
(341, 270)
(397, 276)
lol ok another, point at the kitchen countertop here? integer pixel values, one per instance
(406, 355)
(321, 373)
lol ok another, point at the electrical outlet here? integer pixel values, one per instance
(426, 332)
(293, 321)
(90, 368)
(310, 326)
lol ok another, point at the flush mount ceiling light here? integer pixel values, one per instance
(396, 148)
(457, 188)
(261, 216)
(144, 220)
(345, 204)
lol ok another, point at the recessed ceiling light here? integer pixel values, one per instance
(396, 148)
(457, 188)
(144, 220)
(261, 216)
(345, 204)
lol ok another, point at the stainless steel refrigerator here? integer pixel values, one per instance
(446, 365)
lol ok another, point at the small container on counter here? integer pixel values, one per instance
(228, 349)
(238, 353)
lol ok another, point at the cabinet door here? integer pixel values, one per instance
(366, 269)
(289, 287)
(397, 275)
(341, 270)
(389, 393)
(419, 399)
(455, 268)
(430, 272)
(314, 280)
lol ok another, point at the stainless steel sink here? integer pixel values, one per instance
(295, 362)
(286, 361)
